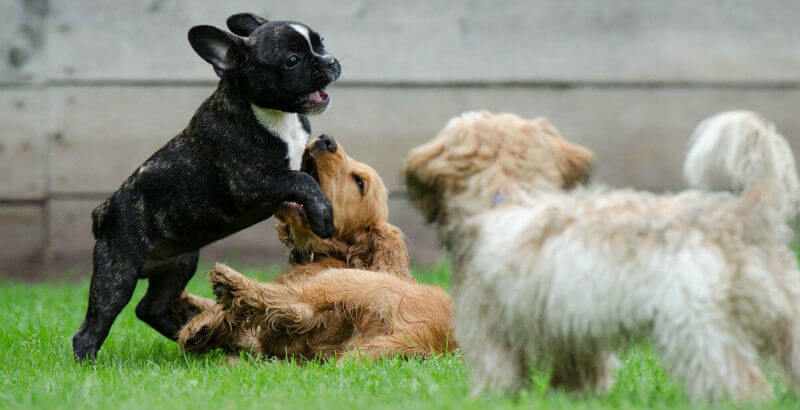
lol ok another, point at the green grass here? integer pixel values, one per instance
(139, 369)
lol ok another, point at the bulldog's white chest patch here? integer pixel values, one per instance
(287, 126)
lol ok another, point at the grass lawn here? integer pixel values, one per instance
(137, 368)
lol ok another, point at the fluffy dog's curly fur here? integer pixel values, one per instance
(565, 276)
(313, 309)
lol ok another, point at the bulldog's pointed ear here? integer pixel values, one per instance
(244, 23)
(219, 48)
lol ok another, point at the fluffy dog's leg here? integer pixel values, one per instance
(269, 304)
(584, 372)
(712, 358)
(789, 357)
(495, 364)
(788, 347)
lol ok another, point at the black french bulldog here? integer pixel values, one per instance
(235, 162)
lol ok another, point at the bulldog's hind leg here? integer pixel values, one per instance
(167, 282)
(113, 282)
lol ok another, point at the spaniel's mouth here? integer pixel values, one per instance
(292, 212)
(309, 165)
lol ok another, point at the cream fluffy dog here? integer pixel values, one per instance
(549, 274)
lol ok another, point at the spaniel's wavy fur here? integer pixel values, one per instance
(549, 274)
(321, 306)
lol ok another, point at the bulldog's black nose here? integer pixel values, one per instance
(327, 60)
(326, 142)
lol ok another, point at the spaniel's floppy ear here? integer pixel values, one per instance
(284, 232)
(389, 252)
(576, 163)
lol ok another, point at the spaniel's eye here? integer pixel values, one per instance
(292, 61)
(359, 183)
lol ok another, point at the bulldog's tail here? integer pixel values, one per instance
(741, 152)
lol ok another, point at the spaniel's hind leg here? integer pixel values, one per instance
(266, 304)
(355, 289)
(294, 305)
(391, 345)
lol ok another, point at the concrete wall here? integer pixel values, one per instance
(89, 89)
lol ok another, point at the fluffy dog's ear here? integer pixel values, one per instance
(388, 249)
(244, 24)
(219, 48)
(576, 163)
(420, 178)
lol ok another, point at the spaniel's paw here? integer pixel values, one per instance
(225, 282)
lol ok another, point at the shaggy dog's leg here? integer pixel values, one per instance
(496, 364)
(791, 358)
(592, 372)
(788, 348)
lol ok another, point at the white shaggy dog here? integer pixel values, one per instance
(547, 274)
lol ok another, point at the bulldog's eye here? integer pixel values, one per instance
(359, 183)
(292, 61)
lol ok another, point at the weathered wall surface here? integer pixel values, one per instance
(90, 88)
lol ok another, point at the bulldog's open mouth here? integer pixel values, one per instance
(318, 97)
(292, 212)
(316, 102)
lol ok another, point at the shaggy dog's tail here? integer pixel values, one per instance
(741, 152)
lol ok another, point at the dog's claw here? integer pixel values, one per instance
(219, 290)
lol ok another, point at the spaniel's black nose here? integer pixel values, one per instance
(326, 142)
